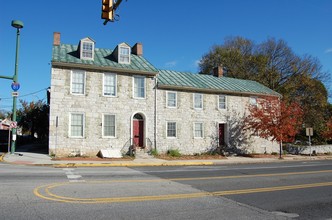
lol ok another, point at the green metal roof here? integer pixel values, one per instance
(68, 55)
(185, 80)
(103, 58)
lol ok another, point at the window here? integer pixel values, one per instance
(109, 84)
(171, 129)
(76, 125)
(198, 101)
(87, 50)
(171, 99)
(253, 101)
(77, 82)
(222, 102)
(198, 130)
(139, 87)
(124, 55)
(109, 126)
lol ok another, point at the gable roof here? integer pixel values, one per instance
(88, 39)
(208, 83)
(67, 55)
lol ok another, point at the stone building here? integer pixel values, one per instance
(104, 98)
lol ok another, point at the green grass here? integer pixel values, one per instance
(174, 153)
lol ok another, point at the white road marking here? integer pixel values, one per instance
(72, 176)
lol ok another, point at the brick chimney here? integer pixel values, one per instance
(218, 71)
(56, 38)
(137, 49)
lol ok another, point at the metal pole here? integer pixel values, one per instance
(8, 140)
(15, 79)
(56, 135)
(310, 145)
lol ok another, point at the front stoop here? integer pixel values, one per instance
(141, 154)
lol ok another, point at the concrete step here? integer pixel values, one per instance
(141, 154)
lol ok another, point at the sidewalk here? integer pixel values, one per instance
(36, 159)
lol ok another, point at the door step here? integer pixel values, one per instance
(141, 154)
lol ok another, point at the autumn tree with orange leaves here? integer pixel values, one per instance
(327, 134)
(274, 120)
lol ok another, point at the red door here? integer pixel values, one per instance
(138, 132)
(221, 134)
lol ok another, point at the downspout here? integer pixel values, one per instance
(155, 111)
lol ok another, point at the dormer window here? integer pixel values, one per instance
(124, 54)
(87, 50)
(87, 47)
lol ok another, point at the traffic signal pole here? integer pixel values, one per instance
(18, 25)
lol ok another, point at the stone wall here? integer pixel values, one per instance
(211, 116)
(316, 149)
(93, 104)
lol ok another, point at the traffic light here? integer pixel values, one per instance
(107, 10)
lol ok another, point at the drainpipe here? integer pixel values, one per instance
(155, 111)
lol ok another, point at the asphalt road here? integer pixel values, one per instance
(298, 190)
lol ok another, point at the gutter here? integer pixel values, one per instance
(103, 68)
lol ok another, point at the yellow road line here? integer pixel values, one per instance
(47, 194)
(54, 197)
(213, 177)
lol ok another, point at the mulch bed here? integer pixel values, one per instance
(261, 156)
(191, 157)
(93, 159)
(165, 157)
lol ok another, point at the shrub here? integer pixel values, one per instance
(154, 152)
(174, 153)
(274, 153)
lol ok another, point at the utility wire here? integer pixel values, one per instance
(26, 94)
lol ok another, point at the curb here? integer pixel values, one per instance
(132, 164)
(69, 164)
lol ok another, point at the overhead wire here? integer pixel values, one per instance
(32, 93)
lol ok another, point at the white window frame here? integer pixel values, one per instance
(103, 126)
(134, 91)
(167, 99)
(176, 132)
(121, 55)
(225, 102)
(115, 84)
(202, 131)
(84, 51)
(70, 125)
(72, 81)
(201, 102)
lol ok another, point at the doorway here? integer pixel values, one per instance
(138, 130)
(221, 134)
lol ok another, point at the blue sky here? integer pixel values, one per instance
(175, 35)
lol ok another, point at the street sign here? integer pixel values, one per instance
(13, 124)
(309, 131)
(14, 94)
(15, 86)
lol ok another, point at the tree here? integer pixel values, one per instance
(274, 64)
(34, 118)
(274, 119)
(328, 132)
(312, 95)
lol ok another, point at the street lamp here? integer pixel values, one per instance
(18, 25)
